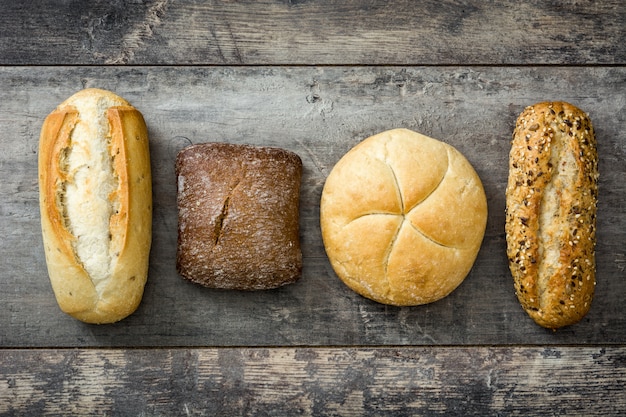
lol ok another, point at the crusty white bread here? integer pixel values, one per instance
(551, 200)
(96, 205)
(403, 217)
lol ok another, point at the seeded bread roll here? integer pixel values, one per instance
(96, 205)
(238, 216)
(551, 200)
(403, 218)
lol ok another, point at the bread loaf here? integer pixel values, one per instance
(96, 205)
(403, 218)
(551, 200)
(238, 216)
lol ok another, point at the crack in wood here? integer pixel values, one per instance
(135, 38)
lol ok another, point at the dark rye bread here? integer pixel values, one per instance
(551, 200)
(238, 216)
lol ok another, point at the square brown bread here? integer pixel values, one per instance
(238, 216)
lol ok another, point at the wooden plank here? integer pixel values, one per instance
(345, 32)
(320, 113)
(452, 381)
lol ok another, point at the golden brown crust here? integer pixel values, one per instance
(73, 288)
(402, 218)
(130, 228)
(551, 200)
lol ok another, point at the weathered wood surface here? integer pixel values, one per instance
(319, 113)
(452, 381)
(315, 77)
(300, 32)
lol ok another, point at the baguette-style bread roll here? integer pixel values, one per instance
(96, 205)
(551, 201)
(403, 217)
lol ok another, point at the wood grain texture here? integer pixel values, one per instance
(314, 77)
(319, 113)
(452, 381)
(289, 32)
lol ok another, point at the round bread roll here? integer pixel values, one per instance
(403, 217)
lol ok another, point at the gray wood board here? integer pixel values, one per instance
(279, 32)
(320, 113)
(478, 381)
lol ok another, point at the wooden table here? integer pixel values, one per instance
(314, 77)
